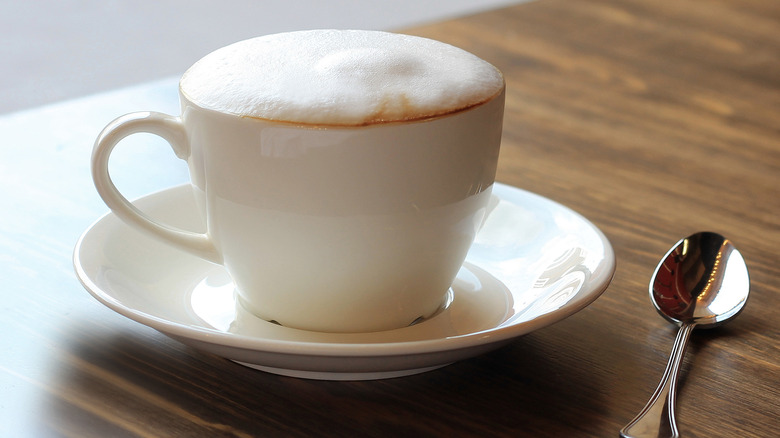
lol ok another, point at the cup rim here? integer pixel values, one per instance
(186, 99)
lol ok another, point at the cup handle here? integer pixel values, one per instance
(171, 130)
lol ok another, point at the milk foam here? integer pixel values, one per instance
(340, 77)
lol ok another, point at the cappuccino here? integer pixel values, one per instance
(340, 77)
(342, 175)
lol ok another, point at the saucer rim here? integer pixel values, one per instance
(499, 333)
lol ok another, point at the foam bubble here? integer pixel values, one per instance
(342, 77)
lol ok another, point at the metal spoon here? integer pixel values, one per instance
(701, 282)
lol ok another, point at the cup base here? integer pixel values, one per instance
(445, 304)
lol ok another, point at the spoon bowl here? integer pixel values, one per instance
(702, 281)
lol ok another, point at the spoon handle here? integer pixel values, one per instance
(657, 420)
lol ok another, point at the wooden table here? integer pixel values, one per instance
(653, 119)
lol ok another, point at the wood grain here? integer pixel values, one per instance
(653, 119)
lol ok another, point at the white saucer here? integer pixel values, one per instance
(533, 263)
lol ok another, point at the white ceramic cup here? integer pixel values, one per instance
(326, 227)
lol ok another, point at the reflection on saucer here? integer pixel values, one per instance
(212, 301)
(558, 283)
